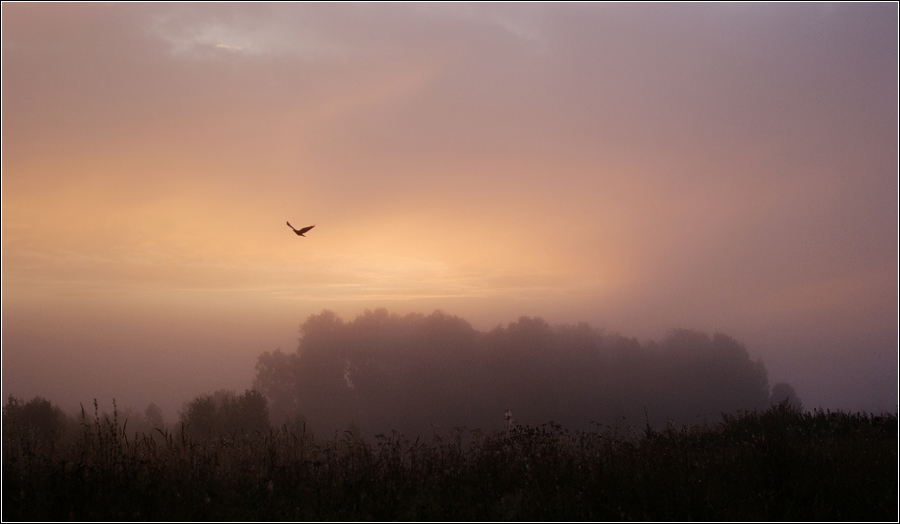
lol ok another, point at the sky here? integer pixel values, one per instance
(727, 168)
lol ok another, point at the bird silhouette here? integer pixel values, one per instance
(301, 231)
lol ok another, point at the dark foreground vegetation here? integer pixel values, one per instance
(778, 464)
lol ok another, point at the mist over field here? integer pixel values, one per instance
(424, 375)
(428, 374)
(574, 212)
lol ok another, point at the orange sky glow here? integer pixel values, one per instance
(639, 167)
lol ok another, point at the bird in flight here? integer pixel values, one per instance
(301, 231)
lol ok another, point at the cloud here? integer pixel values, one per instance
(198, 37)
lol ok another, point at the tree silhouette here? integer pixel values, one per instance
(224, 412)
(412, 373)
(36, 419)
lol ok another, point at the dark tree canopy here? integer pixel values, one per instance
(225, 412)
(36, 419)
(411, 373)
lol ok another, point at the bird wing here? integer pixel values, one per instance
(290, 226)
(305, 229)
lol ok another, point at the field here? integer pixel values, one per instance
(779, 465)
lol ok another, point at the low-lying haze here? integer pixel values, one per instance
(724, 168)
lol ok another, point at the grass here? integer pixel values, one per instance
(774, 465)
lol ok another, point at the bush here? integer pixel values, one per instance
(778, 464)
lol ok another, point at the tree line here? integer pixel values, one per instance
(423, 374)
(417, 374)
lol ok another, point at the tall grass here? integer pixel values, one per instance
(774, 465)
